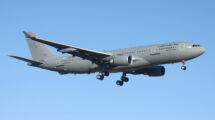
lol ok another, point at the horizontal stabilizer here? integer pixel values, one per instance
(32, 62)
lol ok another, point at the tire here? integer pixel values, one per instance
(119, 82)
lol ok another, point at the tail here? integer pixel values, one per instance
(39, 51)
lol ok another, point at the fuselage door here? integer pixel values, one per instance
(182, 46)
(153, 50)
(58, 62)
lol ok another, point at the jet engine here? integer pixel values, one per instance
(121, 60)
(151, 71)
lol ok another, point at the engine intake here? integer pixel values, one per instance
(121, 60)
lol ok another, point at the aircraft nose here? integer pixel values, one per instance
(202, 50)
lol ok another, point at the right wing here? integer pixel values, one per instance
(93, 56)
(32, 62)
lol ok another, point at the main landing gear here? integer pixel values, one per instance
(118, 82)
(123, 79)
(101, 75)
(183, 67)
(104, 73)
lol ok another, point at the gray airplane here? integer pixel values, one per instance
(145, 60)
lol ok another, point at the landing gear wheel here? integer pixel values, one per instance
(119, 82)
(106, 74)
(183, 67)
(100, 77)
(124, 79)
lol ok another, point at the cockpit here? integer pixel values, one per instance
(195, 45)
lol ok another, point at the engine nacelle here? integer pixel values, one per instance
(121, 60)
(151, 71)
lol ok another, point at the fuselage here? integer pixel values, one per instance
(143, 57)
(145, 60)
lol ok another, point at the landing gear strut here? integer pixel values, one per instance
(123, 79)
(183, 67)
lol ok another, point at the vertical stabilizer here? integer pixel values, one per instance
(39, 51)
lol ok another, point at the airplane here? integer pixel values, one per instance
(146, 60)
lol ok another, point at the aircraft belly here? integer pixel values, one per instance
(79, 66)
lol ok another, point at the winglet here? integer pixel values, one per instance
(29, 34)
(26, 34)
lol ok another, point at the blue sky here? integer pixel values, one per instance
(28, 93)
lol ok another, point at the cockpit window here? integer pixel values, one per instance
(196, 45)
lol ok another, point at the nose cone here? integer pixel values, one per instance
(202, 50)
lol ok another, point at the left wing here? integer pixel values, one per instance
(94, 56)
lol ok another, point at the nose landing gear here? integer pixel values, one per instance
(183, 67)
